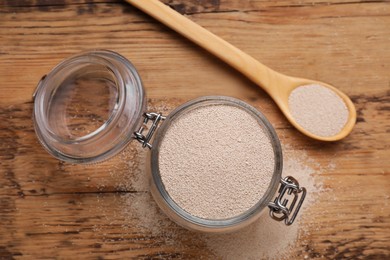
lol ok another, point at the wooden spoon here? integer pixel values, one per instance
(277, 85)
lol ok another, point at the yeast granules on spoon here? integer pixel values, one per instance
(318, 109)
(216, 162)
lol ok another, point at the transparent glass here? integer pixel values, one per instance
(88, 106)
(173, 210)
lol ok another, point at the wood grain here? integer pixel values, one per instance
(50, 209)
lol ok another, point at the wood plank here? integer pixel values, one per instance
(89, 225)
(51, 209)
(162, 52)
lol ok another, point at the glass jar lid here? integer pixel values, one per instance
(87, 108)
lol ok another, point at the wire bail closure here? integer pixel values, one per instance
(279, 210)
(144, 139)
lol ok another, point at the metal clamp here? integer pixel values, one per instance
(144, 139)
(279, 210)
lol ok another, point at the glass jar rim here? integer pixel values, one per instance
(122, 70)
(263, 201)
(82, 58)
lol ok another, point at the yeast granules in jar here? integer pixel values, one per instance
(216, 161)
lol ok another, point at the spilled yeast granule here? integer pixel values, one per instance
(264, 239)
(216, 161)
(267, 238)
(318, 109)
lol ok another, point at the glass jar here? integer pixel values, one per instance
(91, 105)
(88, 106)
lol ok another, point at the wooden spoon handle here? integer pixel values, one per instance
(251, 68)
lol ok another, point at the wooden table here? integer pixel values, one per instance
(51, 209)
